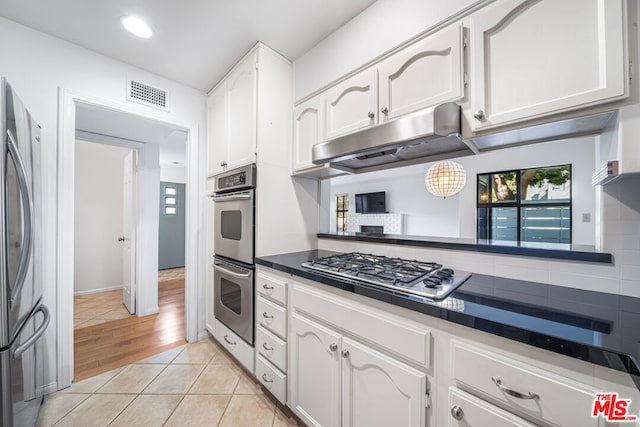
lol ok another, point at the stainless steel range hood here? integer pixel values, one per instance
(430, 134)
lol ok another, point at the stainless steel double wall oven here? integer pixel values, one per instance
(234, 247)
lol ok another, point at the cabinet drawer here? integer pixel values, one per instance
(272, 379)
(272, 316)
(235, 345)
(389, 333)
(272, 288)
(466, 410)
(524, 388)
(271, 348)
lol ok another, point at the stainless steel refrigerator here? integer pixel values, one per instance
(23, 317)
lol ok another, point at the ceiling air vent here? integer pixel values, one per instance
(147, 95)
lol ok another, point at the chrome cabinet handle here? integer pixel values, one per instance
(516, 394)
(121, 239)
(345, 353)
(385, 111)
(265, 379)
(226, 338)
(267, 316)
(457, 413)
(266, 347)
(371, 115)
(267, 287)
(479, 115)
(223, 164)
(333, 347)
(27, 212)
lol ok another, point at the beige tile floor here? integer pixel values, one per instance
(102, 307)
(193, 385)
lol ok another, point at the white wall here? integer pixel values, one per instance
(173, 173)
(428, 215)
(98, 217)
(37, 65)
(378, 29)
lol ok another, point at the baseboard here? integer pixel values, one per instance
(96, 291)
(203, 335)
(47, 389)
(148, 312)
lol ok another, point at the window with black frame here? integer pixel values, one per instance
(342, 207)
(525, 205)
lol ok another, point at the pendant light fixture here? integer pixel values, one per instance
(445, 178)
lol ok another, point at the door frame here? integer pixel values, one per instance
(194, 243)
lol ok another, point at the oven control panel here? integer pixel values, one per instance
(236, 179)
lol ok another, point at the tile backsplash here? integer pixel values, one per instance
(619, 234)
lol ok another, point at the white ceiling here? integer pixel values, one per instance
(102, 125)
(195, 42)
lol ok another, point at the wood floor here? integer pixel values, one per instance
(107, 346)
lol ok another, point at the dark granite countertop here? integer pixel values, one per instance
(531, 249)
(596, 327)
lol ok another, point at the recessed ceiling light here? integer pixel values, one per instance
(136, 26)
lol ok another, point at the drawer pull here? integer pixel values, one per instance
(265, 379)
(267, 316)
(226, 338)
(266, 347)
(457, 413)
(267, 287)
(517, 394)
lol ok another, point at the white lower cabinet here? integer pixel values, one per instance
(235, 345)
(337, 381)
(467, 410)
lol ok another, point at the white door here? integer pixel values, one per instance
(308, 122)
(314, 377)
(352, 104)
(242, 93)
(425, 74)
(128, 232)
(378, 391)
(535, 58)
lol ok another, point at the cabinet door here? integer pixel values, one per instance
(535, 58)
(314, 374)
(218, 130)
(425, 74)
(466, 410)
(308, 127)
(352, 104)
(241, 91)
(378, 390)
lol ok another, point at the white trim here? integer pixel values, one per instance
(204, 335)
(97, 290)
(47, 389)
(194, 240)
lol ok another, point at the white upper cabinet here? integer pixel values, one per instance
(534, 58)
(218, 130)
(308, 129)
(352, 104)
(231, 110)
(427, 73)
(378, 391)
(241, 91)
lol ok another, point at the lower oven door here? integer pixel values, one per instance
(233, 225)
(233, 297)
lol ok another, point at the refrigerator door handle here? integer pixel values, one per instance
(38, 333)
(27, 204)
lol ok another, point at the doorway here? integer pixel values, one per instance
(149, 305)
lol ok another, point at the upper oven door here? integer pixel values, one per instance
(233, 225)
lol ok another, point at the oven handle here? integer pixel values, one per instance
(231, 198)
(234, 274)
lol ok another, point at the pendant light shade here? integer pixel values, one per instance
(445, 178)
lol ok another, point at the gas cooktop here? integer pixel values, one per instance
(428, 280)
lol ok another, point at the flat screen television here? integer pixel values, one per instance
(371, 203)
